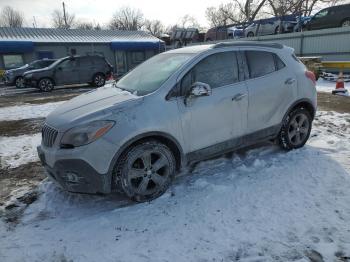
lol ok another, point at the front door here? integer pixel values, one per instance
(221, 116)
(67, 72)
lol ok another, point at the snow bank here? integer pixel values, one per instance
(27, 111)
(18, 150)
(263, 204)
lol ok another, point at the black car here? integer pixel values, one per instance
(335, 16)
(15, 76)
(92, 69)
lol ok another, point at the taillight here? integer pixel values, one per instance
(311, 76)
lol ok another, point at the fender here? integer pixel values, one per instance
(305, 101)
(143, 136)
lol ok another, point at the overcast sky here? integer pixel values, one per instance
(101, 11)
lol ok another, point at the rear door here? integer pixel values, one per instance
(67, 72)
(221, 116)
(86, 69)
(272, 88)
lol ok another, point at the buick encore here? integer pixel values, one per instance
(176, 108)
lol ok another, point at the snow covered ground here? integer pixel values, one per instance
(27, 111)
(18, 150)
(261, 204)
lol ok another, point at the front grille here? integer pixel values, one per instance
(48, 135)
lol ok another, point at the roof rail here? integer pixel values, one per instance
(247, 43)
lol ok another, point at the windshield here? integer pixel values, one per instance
(56, 62)
(151, 74)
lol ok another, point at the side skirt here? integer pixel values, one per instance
(233, 144)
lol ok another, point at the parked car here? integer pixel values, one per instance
(176, 108)
(15, 76)
(92, 69)
(334, 16)
(270, 26)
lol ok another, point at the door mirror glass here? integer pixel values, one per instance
(200, 89)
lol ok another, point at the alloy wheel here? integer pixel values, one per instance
(99, 80)
(148, 172)
(298, 129)
(46, 85)
(20, 82)
(346, 23)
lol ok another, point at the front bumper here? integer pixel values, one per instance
(76, 175)
(9, 80)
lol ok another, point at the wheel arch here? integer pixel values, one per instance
(162, 137)
(302, 103)
(344, 19)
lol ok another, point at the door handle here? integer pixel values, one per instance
(289, 81)
(238, 97)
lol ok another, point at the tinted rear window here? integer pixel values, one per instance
(260, 63)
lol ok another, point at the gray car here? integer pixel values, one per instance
(70, 70)
(15, 76)
(177, 108)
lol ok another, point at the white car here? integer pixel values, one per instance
(269, 27)
(176, 108)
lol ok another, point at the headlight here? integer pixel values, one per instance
(85, 134)
(28, 76)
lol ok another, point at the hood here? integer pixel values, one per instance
(90, 106)
(36, 71)
(14, 70)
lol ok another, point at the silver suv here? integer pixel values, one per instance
(177, 108)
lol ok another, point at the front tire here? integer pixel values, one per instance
(46, 85)
(146, 170)
(250, 34)
(345, 23)
(295, 129)
(19, 82)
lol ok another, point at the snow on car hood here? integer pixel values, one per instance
(88, 104)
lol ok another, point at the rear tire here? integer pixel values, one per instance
(146, 170)
(296, 128)
(99, 80)
(19, 82)
(46, 85)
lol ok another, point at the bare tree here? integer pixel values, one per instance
(9, 17)
(249, 9)
(87, 25)
(223, 14)
(299, 7)
(188, 21)
(236, 11)
(59, 22)
(155, 27)
(127, 18)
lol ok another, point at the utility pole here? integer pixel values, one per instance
(64, 15)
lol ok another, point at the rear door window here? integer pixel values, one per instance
(260, 63)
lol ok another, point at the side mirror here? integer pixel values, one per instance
(59, 68)
(200, 89)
